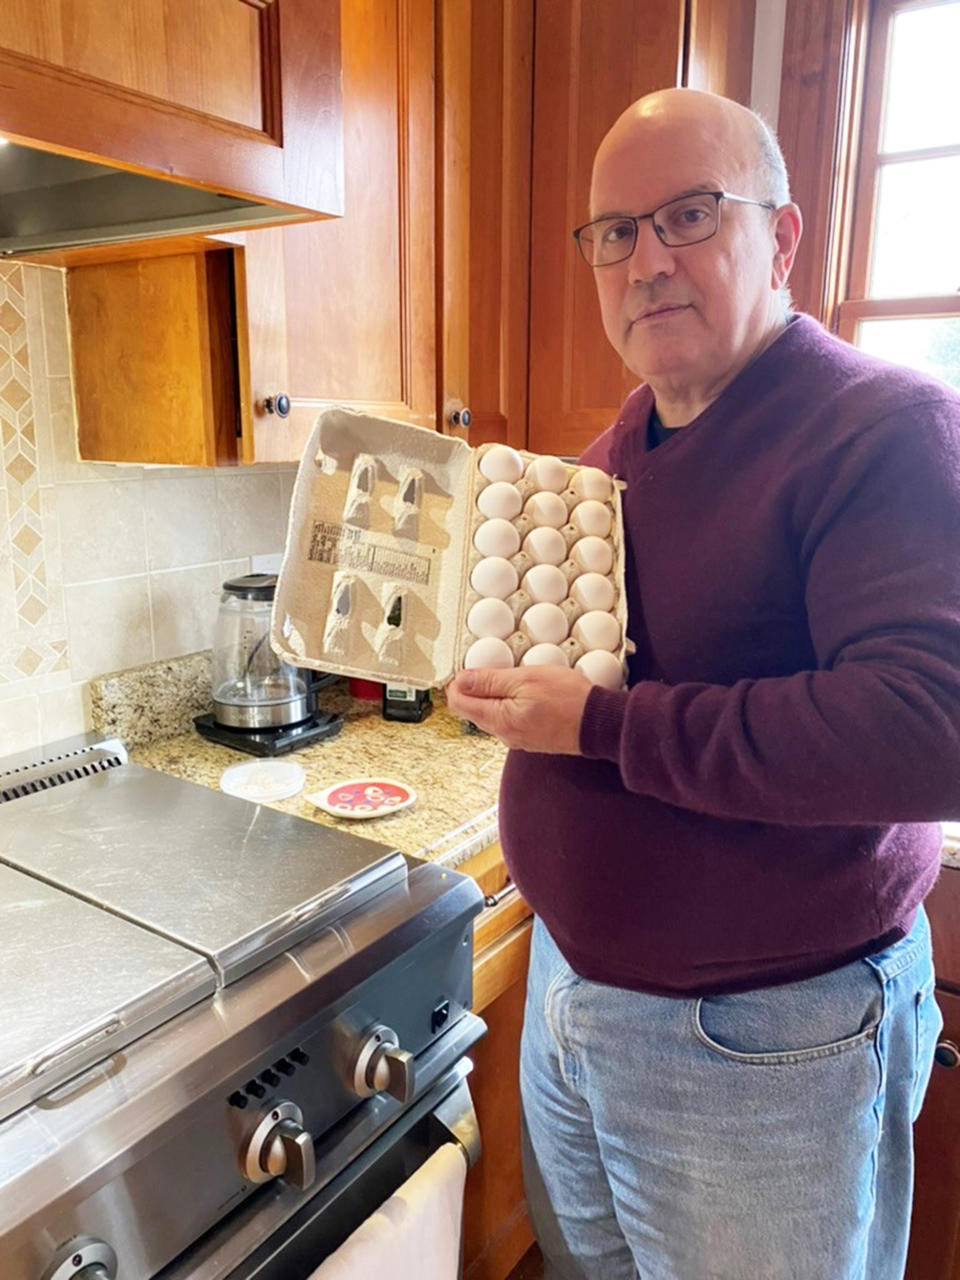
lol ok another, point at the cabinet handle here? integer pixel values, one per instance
(279, 404)
(947, 1054)
(460, 417)
(494, 899)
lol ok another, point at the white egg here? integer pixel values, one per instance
(500, 462)
(548, 473)
(494, 576)
(602, 668)
(546, 509)
(500, 501)
(593, 591)
(491, 618)
(545, 545)
(592, 554)
(544, 655)
(597, 630)
(497, 538)
(488, 652)
(591, 482)
(545, 623)
(545, 582)
(592, 517)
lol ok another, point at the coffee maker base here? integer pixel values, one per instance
(270, 742)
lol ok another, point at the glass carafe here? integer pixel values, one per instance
(252, 688)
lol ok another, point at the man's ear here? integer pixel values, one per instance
(787, 230)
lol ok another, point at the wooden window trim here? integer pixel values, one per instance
(832, 90)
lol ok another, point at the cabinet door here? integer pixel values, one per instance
(484, 133)
(592, 61)
(345, 311)
(240, 96)
(935, 1234)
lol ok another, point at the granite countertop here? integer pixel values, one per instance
(455, 773)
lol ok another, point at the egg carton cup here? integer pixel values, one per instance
(375, 578)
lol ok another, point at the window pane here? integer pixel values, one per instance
(916, 249)
(930, 345)
(923, 88)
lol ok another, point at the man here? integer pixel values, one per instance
(730, 1020)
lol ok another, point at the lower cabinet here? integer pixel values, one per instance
(496, 1233)
(935, 1234)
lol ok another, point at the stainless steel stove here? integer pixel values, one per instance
(226, 1034)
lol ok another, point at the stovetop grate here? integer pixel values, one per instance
(41, 775)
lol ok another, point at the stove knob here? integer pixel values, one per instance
(383, 1067)
(280, 1147)
(290, 1155)
(83, 1258)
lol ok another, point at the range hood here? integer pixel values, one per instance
(50, 201)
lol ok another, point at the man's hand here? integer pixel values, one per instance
(528, 708)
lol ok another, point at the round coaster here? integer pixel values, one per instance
(263, 781)
(363, 798)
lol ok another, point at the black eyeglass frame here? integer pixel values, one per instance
(637, 218)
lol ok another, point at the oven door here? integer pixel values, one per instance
(294, 1248)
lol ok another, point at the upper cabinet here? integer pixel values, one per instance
(240, 97)
(592, 61)
(450, 293)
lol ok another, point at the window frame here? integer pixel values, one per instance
(834, 67)
(852, 304)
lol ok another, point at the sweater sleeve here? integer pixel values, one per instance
(872, 735)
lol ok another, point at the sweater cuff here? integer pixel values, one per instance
(602, 723)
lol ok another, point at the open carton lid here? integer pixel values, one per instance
(377, 547)
(375, 579)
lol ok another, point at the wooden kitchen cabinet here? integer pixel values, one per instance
(496, 1233)
(935, 1234)
(451, 280)
(237, 96)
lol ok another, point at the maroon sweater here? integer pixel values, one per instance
(761, 804)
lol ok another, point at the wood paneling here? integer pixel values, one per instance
(720, 47)
(591, 63)
(484, 134)
(222, 95)
(943, 907)
(159, 387)
(202, 56)
(823, 50)
(496, 1233)
(344, 311)
(935, 1237)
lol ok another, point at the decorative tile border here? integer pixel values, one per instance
(26, 649)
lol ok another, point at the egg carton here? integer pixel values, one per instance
(383, 578)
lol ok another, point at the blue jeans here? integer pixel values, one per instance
(765, 1135)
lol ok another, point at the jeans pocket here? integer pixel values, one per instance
(928, 1027)
(797, 1022)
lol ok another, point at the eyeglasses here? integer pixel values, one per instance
(685, 220)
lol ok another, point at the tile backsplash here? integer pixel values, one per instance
(101, 567)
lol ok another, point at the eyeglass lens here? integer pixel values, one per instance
(686, 220)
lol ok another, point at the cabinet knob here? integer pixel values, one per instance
(460, 417)
(279, 404)
(947, 1054)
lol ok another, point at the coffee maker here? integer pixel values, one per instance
(260, 705)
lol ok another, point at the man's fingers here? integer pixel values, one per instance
(485, 682)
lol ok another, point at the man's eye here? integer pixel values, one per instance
(685, 217)
(617, 232)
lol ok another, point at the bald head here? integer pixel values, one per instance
(750, 151)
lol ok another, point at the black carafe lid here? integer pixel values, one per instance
(252, 586)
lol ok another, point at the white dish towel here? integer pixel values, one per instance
(415, 1235)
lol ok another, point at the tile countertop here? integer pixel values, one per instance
(456, 775)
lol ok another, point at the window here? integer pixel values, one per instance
(902, 294)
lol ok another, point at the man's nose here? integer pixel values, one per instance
(650, 257)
